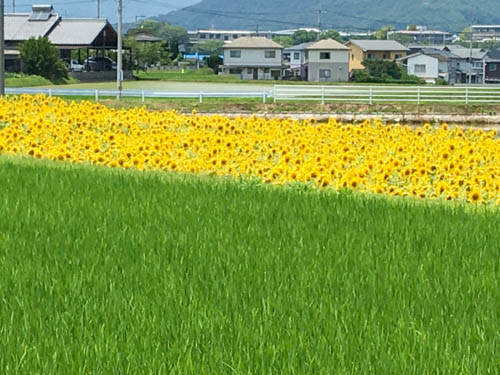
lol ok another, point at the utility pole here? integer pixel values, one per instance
(470, 55)
(319, 21)
(2, 50)
(119, 67)
(98, 9)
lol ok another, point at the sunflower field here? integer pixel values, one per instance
(446, 163)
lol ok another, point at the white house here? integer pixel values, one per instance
(295, 57)
(253, 58)
(327, 61)
(432, 64)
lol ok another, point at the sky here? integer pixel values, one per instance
(108, 8)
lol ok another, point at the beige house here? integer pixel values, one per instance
(367, 49)
(327, 61)
(253, 58)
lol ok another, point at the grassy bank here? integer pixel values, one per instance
(254, 105)
(23, 80)
(127, 272)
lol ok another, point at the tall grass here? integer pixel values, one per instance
(107, 272)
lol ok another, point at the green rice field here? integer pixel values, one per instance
(112, 272)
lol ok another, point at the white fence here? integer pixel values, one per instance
(98, 94)
(381, 94)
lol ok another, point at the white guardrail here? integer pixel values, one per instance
(380, 94)
(143, 94)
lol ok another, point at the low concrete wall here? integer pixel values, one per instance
(108, 75)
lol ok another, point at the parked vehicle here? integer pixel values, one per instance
(99, 64)
(75, 66)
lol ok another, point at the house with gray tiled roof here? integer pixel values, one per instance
(295, 59)
(431, 64)
(327, 61)
(67, 34)
(256, 58)
(491, 71)
(368, 49)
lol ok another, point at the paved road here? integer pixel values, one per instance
(172, 86)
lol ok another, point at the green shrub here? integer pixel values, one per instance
(40, 57)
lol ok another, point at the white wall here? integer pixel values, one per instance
(431, 66)
(336, 56)
(252, 57)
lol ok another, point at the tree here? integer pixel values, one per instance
(173, 35)
(213, 62)
(40, 57)
(382, 32)
(332, 34)
(209, 47)
(303, 36)
(285, 41)
(402, 38)
(146, 55)
(383, 69)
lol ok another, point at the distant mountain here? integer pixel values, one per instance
(450, 15)
(108, 8)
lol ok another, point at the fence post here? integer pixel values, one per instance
(201, 97)
(466, 95)
(50, 93)
(96, 95)
(371, 96)
(418, 95)
(274, 94)
(142, 96)
(264, 97)
(322, 94)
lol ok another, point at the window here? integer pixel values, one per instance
(397, 56)
(235, 36)
(419, 68)
(384, 56)
(249, 71)
(270, 54)
(235, 71)
(266, 70)
(370, 55)
(324, 73)
(235, 54)
(324, 55)
(211, 36)
(218, 36)
(226, 37)
(296, 55)
(202, 36)
(492, 67)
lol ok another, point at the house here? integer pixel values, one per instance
(491, 70)
(290, 32)
(200, 36)
(295, 59)
(485, 33)
(67, 34)
(425, 36)
(367, 49)
(253, 58)
(432, 64)
(470, 62)
(327, 61)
